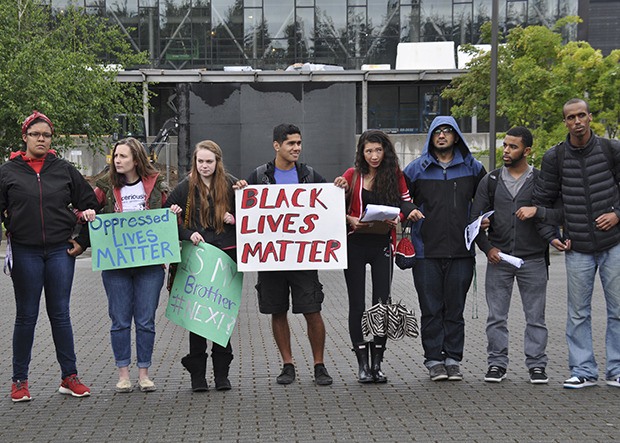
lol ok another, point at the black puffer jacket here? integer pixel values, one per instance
(586, 184)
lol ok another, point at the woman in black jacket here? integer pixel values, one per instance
(39, 194)
(206, 202)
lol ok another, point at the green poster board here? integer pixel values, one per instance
(206, 293)
(132, 239)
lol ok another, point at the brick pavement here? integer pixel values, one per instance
(408, 408)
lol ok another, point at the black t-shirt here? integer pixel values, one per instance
(369, 197)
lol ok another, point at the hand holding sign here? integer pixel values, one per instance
(290, 227)
(206, 294)
(132, 239)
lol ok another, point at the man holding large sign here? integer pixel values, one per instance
(301, 252)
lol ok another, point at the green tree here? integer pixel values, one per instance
(64, 66)
(606, 97)
(537, 74)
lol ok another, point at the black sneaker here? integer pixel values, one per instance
(538, 376)
(321, 377)
(287, 376)
(579, 382)
(454, 373)
(495, 374)
(438, 372)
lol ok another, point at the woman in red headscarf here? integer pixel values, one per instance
(38, 193)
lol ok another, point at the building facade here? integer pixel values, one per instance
(267, 36)
(273, 34)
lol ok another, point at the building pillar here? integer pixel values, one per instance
(184, 150)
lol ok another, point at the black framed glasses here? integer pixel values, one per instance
(446, 130)
(40, 134)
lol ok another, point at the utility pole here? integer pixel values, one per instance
(493, 96)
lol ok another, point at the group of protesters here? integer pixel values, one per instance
(572, 203)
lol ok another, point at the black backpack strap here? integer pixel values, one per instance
(492, 185)
(261, 176)
(609, 155)
(311, 177)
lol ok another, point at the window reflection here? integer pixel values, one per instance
(304, 34)
(410, 23)
(435, 20)
(280, 13)
(123, 8)
(270, 34)
(462, 23)
(254, 32)
(61, 5)
(516, 13)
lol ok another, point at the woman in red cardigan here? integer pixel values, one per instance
(375, 179)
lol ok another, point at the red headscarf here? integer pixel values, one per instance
(32, 117)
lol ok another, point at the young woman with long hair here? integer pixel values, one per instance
(375, 179)
(205, 201)
(132, 184)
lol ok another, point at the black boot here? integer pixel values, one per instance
(221, 365)
(361, 352)
(376, 356)
(197, 367)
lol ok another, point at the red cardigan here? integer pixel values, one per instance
(355, 209)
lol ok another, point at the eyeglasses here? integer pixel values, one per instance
(40, 134)
(446, 130)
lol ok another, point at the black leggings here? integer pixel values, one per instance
(380, 260)
(198, 347)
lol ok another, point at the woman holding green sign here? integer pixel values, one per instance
(206, 202)
(133, 184)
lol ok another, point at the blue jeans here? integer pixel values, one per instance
(35, 269)
(442, 286)
(532, 281)
(133, 293)
(580, 272)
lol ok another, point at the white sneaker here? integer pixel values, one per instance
(579, 382)
(614, 382)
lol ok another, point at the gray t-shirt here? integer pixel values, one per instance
(514, 184)
(445, 165)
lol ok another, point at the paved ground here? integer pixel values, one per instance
(408, 408)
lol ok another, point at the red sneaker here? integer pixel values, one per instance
(20, 392)
(72, 385)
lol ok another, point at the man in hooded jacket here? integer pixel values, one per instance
(443, 182)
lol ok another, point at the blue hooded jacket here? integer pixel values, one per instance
(444, 196)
